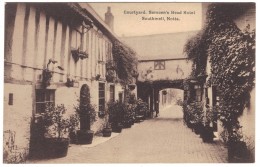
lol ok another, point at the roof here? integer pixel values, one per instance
(159, 46)
(98, 21)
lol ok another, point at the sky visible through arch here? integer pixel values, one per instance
(127, 22)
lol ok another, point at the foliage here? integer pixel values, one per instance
(126, 62)
(232, 58)
(55, 123)
(208, 117)
(193, 113)
(194, 47)
(74, 122)
(11, 153)
(115, 110)
(141, 108)
(179, 102)
(90, 108)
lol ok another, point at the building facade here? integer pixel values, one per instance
(51, 50)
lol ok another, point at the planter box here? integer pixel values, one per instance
(207, 134)
(117, 128)
(50, 148)
(127, 124)
(85, 136)
(107, 132)
(237, 152)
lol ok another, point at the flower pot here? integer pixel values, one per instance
(131, 86)
(127, 124)
(73, 137)
(164, 92)
(237, 152)
(56, 148)
(207, 134)
(117, 128)
(198, 128)
(85, 136)
(50, 148)
(107, 132)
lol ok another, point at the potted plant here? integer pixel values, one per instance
(110, 76)
(73, 127)
(135, 74)
(55, 143)
(70, 82)
(78, 54)
(87, 116)
(131, 86)
(107, 129)
(194, 117)
(164, 92)
(237, 148)
(110, 65)
(127, 115)
(140, 110)
(207, 134)
(115, 111)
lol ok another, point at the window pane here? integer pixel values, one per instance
(47, 95)
(40, 107)
(43, 99)
(52, 95)
(40, 95)
(101, 93)
(112, 93)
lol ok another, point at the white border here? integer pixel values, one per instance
(110, 165)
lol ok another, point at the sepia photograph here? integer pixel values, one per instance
(120, 82)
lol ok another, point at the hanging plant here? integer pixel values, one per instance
(135, 74)
(110, 76)
(164, 92)
(131, 86)
(70, 82)
(46, 77)
(78, 54)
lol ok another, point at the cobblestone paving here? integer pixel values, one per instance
(160, 140)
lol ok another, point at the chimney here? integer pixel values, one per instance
(109, 18)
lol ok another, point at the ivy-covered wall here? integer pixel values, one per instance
(230, 52)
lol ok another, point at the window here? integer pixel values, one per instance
(101, 105)
(198, 95)
(112, 93)
(120, 96)
(44, 98)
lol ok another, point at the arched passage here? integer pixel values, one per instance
(148, 91)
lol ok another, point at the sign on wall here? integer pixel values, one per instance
(159, 65)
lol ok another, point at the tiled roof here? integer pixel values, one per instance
(159, 46)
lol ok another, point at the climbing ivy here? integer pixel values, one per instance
(232, 57)
(126, 62)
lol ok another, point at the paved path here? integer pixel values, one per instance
(161, 140)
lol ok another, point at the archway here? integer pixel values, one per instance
(149, 92)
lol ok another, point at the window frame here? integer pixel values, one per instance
(43, 96)
(101, 96)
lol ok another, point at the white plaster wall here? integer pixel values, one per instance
(17, 117)
(174, 69)
(18, 42)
